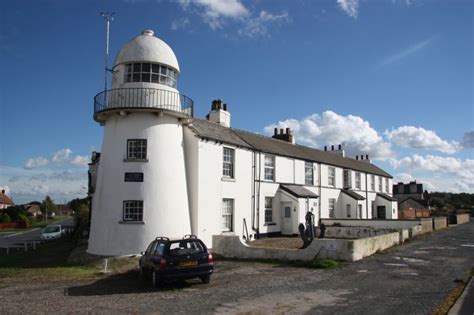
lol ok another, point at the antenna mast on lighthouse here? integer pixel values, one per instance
(108, 16)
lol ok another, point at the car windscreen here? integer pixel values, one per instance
(186, 248)
(51, 229)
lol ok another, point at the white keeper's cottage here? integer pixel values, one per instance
(164, 172)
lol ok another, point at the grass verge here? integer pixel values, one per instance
(453, 296)
(47, 262)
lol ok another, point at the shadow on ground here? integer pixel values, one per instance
(125, 283)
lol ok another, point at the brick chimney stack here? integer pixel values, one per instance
(284, 135)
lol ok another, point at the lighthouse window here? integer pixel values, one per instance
(133, 210)
(136, 149)
(150, 72)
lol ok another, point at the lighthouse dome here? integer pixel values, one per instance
(147, 48)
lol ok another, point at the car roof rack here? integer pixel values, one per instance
(162, 238)
(189, 236)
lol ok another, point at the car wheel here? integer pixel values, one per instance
(155, 280)
(206, 278)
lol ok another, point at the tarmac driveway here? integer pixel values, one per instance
(409, 279)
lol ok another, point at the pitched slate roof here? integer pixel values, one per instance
(298, 191)
(353, 194)
(214, 131)
(385, 196)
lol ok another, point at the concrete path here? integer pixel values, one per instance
(465, 304)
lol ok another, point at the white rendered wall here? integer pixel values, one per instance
(163, 191)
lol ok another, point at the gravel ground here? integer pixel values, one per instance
(411, 279)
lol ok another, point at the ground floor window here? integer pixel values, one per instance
(348, 210)
(133, 210)
(360, 211)
(268, 209)
(227, 215)
(331, 207)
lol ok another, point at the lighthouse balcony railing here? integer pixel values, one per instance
(143, 98)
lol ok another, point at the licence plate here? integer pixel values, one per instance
(188, 263)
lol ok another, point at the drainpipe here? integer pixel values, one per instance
(320, 197)
(254, 164)
(366, 197)
(258, 194)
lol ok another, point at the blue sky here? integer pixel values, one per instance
(389, 78)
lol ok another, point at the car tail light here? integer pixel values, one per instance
(209, 258)
(162, 263)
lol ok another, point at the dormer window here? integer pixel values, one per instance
(150, 72)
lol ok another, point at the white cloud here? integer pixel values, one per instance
(36, 162)
(454, 171)
(331, 129)
(420, 138)
(218, 13)
(468, 139)
(350, 7)
(80, 160)
(35, 184)
(403, 177)
(258, 26)
(181, 23)
(61, 156)
(405, 52)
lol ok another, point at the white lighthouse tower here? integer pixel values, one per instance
(141, 189)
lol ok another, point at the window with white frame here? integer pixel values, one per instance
(133, 210)
(228, 162)
(268, 209)
(348, 210)
(269, 167)
(136, 149)
(386, 186)
(360, 211)
(331, 207)
(227, 215)
(372, 182)
(347, 179)
(380, 184)
(308, 173)
(331, 176)
(150, 72)
(357, 180)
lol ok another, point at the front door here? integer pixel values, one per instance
(381, 212)
(286, 218)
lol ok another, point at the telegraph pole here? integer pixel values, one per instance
(108, 16)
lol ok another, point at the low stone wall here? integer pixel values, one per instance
(416, 230)
(338, 249)
(440, 223)
(357, 232)
(462, 218)
(426, 223)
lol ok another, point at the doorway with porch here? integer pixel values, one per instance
(286, 218)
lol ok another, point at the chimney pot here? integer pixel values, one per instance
(340, 147)
(225, 107)
(332, 147)
(325, 148)
(281, 131)
(366, 156)
(288, 130)
(357, 157)
(275, 132)
(3, 191)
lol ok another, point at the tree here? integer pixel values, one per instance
(48, 206)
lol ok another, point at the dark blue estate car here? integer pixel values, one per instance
(186, 258)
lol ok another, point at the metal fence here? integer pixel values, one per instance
(129, 98)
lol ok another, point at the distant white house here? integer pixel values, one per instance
(5, 201)
(164, 172)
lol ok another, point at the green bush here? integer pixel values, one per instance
(23, 221)
(5, 218)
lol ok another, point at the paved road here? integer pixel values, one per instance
(409, 279)
(34, 234)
